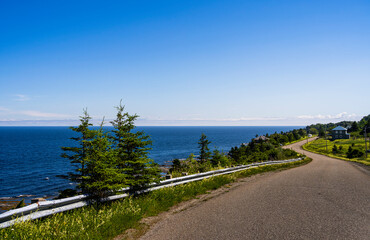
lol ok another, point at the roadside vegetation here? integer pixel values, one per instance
(111, 219)
(352, 149)
(261, 148)
(346, 149)
(105, 162)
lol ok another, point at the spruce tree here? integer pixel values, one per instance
(354, 127)
(131, 149)
(204, 153)
(335, 149)
(102, 176)
(77, 154)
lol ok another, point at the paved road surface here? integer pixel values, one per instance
(325, 199)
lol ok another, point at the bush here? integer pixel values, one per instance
(176, 165)
(67, 193)
(354, 153)
(219, 159)
(335, 149)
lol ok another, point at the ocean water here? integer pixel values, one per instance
(30, 156)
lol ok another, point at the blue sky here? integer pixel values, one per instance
(185, 62)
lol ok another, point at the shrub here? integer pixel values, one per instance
(219, 159)
(67, 193)
(335, 149)
(354, 153)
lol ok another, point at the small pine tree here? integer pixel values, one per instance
(132, 152)
(335, 149)
(77, 154)
(204, 153)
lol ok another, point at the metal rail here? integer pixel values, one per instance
(47, 208)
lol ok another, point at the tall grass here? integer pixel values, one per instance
(112, 219)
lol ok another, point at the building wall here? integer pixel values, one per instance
(339, 134)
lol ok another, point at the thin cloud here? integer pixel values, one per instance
(21, 97)
(43, 114)
(343, 115)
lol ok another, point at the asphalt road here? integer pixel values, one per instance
(325, 199)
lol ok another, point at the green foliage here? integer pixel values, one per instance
(314, 131)
(354, 127)
(131, 149)
(109, 161)
(219, 159)
(112, 219)
(67, 193)
(176, 165)
(364, 121)
(102, 175)
(365, 128)
(78, 154)
(354, 152)
(204, 153)
(256, 151)
(335, 149)
(319, 146)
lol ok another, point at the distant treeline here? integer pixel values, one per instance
(357, 128)
(261, 148)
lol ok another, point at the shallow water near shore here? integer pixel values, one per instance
(30, 159)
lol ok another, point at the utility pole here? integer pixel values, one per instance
(308, 132)
(365, 142)
(326, 140)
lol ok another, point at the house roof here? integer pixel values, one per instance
(263, 138)
(340, 128)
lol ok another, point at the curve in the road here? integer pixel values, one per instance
(325, 199)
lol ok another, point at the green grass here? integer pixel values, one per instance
(319, 146)
(114, 218)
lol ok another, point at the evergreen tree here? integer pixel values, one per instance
(102, 177)
(354, 127)
(77, 154)
(321, 133)
(204, 153)
(335, 149)
(219, 159)
(367, 126)
(132, 152)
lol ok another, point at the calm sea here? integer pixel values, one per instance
(30, 156)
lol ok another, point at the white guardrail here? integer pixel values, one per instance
(47, 208)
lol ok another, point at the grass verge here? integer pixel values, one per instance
(319, 146)
(110, 220)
